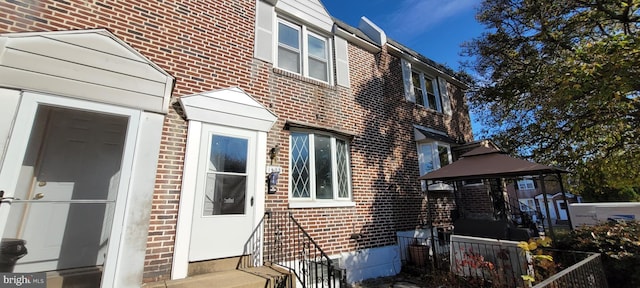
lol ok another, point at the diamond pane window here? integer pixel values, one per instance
(343, 169)
(300, 180)
(319, 167)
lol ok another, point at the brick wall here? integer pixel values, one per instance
(208, 45)
(383, 151)
(191, 41)
(475, 201)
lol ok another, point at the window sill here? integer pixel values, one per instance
(302, 78)
(320, 204)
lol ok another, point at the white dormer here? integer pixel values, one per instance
(296, 36)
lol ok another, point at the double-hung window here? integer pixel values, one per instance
(319, 167)
(433, 155)
(425, 89)
(302, 51)
(526, 184)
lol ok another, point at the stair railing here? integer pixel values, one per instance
(526, 216)
(280, 241)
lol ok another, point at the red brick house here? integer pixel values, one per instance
(141, 137)
(527, 194)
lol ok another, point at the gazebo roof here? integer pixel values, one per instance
(486, 162)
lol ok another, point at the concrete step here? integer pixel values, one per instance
(217, 265)
(254, 277)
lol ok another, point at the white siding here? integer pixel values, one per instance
(8, 110)
(310, 11)
(228, 107)
(90, 64)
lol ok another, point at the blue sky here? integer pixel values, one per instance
(434, 28)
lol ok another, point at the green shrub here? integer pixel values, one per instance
(619, 243)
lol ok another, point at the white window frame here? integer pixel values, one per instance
(525, 185)
(528, 202)
(435, 156)
(424, 77)
(475, 182)
(312, 201)
(304, 56)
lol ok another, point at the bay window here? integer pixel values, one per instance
(433, 155)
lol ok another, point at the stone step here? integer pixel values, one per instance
(254, 277)
(217, 265)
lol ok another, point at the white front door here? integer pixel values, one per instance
(65, 179)
(223, 214)
(67, 188)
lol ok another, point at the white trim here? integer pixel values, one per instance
(131, 256)
(372, 31)
(435, 155)
(184, 223)
(228, 107)
(20, 137)
(303, 49)
(320, 204)
(336, 201)
(81, 61)
(180, 266)
(353, 38)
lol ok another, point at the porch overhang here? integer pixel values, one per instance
(228, 107)
(91, 65)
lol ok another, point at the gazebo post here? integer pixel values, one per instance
(546, 205)
(564, 196)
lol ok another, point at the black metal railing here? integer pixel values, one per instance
(280, 241)
(526, 216)
(417, 256)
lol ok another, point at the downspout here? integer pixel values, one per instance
(546, 204)
(564, 196)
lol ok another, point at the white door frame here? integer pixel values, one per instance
(180, 267)
(19, 139)
(562, 213)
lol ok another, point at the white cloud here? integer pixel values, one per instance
(413, 17)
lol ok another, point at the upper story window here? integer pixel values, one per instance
(302, 51)
(319, 167)
(433, 155)
(425, 89)
(526, 184)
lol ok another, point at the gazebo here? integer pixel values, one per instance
(490, 163)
